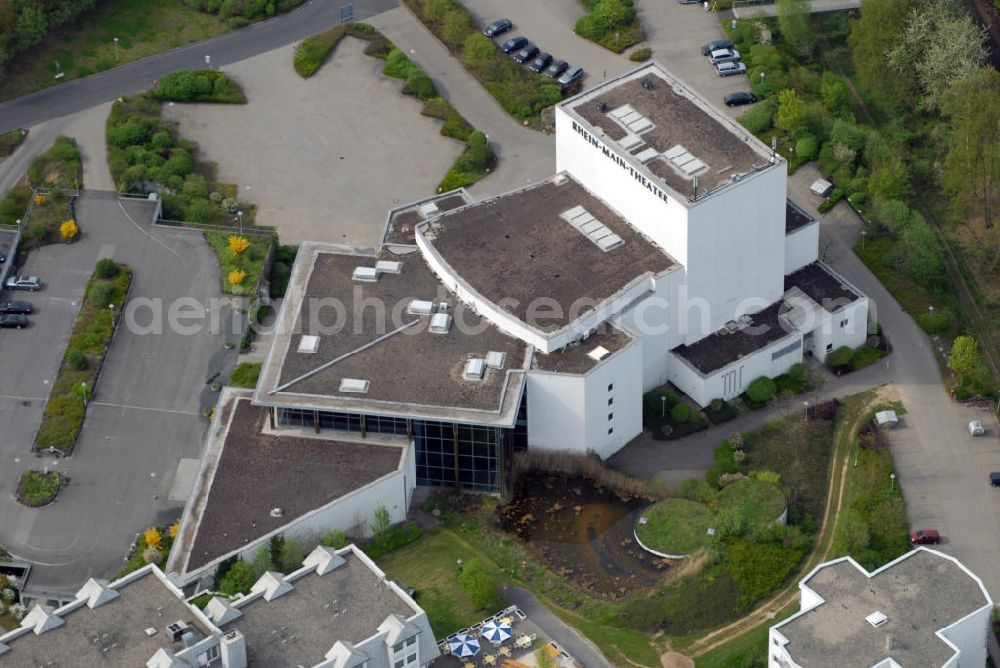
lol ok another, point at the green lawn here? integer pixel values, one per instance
(430, 567)
(10, 141)
(676, 526)
(760, 502)
(749, 649)
(143, 27)
(245, 375)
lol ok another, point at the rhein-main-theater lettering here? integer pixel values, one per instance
(621, 162)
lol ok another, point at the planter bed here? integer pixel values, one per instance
(37, 488)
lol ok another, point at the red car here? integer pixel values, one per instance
(925, 537)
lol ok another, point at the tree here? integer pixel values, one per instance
(478, 583)
(292, 555)
(791, 111)
(890, 179)
(965, 359)
(972, 165)
(872, 35)
(262, 561)
(479, 54)
(941, 45)
(436, 10)
(793, 22)
(238, 579)
(611, 14)
(455, 26)
(834, 94)
(381, 523)
(274, 547)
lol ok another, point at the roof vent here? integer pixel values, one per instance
(876, 619)
(428, 209)
(495, 360)
(647, 83)
(631, 142)
(388, 267)
(475, 368)
(746, 319)
(420, 307)
(683, 160)
(150, 632)
(356, 385)
(560, 179)
(592, 228)
(366, 274)
(732, 326)
(602, 107)
(598, 353)
(440, 323)
(176, 629)
(308, 344)
(277, 512)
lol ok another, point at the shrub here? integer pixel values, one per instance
(76, 359)
(681, 413)
(106, 268)
(770, 477)
(761, 390)
(799, 373)
(69, 229)
(198, 86)
(314, 51)
(641, 55)
(934, 322)
(722, 464)
(335, 539)
(238, 579)
(760, 568)
(420, 85)
(479, 584)
(101, 293)
(245, 375)
(840, 357)
(807, 147)
(397, 65)
(758, 118)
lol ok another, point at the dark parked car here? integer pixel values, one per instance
(514, 44)
(541, 62)
(995, 478)
(715, 45)
(571, 75)
(739, 99)
(527, 53)
(729, 69)
(925, 537)
(24, 283)
(556, 68)
(7, 308)
(498, 28)
(13, 321)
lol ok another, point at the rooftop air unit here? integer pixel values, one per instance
(420, 307)
(495, 360)
(440, 323)
(366, 274)
(176, 629)
(388, 267)
(355, 385)
(475, 368)
(732, 326)
(877, 619)
(428, 209)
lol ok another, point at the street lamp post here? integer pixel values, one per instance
(806, 404)
(892, 481)
(239, 217)
(863, 233)
(116, 49)
(83, 393)
(663, 406)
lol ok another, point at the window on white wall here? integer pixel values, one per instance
(843, 323)
(829, 347)
(611, 431)
(611, 401)
(611, 387)
(611, 416)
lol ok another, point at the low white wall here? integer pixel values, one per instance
(831, 334)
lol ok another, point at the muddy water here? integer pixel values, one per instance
(583, 532)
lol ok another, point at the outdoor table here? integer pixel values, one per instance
(490, 659)
(505, 651)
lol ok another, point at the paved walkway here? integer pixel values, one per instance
(567, 637)
(749, 10)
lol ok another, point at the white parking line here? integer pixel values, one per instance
(143, 408)
(10, 396)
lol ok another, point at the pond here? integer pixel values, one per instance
(582, 531)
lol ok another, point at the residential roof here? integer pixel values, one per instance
(919, 594)
(581, 357)
(366, 331)
(656, 107)
(298, 628)
(520, 250)
(111, 634)
(258, 471)
(795, 217)
(821, 285)
(724, 347)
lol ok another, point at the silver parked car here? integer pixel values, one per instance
(24, 283)
(729, 69)
(724, 56)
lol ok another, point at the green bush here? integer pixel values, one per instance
(106, 268)
(759, 118)
(760, 568)
(393, 538)
(420, 85)
(58, 167)
(840, 357)
(799, 373)
(239, 579)
(761, 390)
(934, 322)
(695, 489)
(641, 55)
(397, 65)
(807, 147)
(210, 86)
(335, 539)
(865, 356)
(76, 359)
(479, 584)
(681, 413)
(14, 204)
(101, 292)
(610, 23)
(722, 463)
(313, 51)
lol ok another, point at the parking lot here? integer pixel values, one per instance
(311, 154)
(145, 413)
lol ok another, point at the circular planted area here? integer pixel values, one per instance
(674, 527)
(760, 502)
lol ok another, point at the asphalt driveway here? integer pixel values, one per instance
(145, 413)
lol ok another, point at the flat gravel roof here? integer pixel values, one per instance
(723, 347)
(821, 286)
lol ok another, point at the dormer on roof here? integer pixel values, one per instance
(272, 585)
(344, 655)
(97, 593)
(324, 559)
(165, 659)
(42, 619)
(221, 611)
(397, 630)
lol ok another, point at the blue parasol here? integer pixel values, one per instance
(463, 645)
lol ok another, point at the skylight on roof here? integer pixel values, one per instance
(631, 119)
(495, 360)
(598, 353)
(475, 368)
(367, 274)
(592, 228)
(440, 323)
(388, 267)
(421, 307)
(685, 161)
(355, 385)
(877, 618)
(308, 344)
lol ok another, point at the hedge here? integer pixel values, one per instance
(198, 86)
(91, 337)
(761, 390)
(313, 51)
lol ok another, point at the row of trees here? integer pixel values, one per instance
(23, 23)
